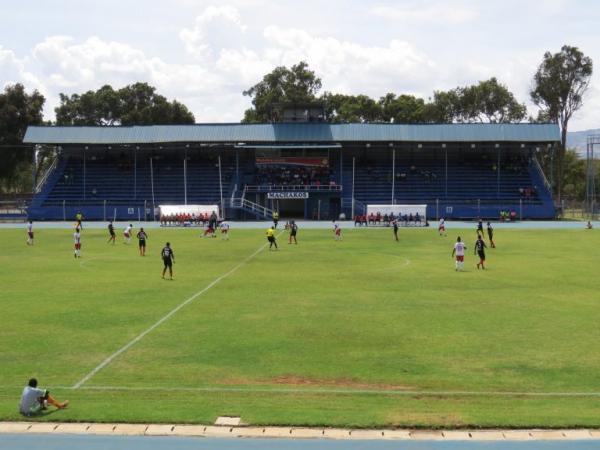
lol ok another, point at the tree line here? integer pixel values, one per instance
(558, 88)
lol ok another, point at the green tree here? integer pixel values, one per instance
(136, 104)
(559, 85)
(18, 109)
(351, 108)
(281, 87)
(485, 102)
(402, 108)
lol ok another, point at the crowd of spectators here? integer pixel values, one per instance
(294, 176)
(378, 219)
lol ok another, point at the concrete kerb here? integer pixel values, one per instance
(293, 433)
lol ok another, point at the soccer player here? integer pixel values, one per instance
(589, 225)
(490, 232)
(337, 231)
(395, 225)
(30, 233)
(224, 230)
(35, 400)
(168, 258)
(77, 241)
(271, 237)
(142, 236)
(79, 219)
(479, 226)
(210, 231)
(127, 234)
(480, 250)
(459, 252)
(275, 218)
(442, 227)
(111, 231)
(293, 231)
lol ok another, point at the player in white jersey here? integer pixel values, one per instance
(442, 227)
(224, 230)
(127, 234)
(459, 252)
(77, 241)
(30, 233)
(337, 231)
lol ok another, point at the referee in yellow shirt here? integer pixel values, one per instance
(271, 238)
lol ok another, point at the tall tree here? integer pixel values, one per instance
(351, 108)
(297, 85)
(485, 102)
(17, 110)
(559, 85)
(402, 108)
(136, 104)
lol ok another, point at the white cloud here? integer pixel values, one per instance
(218, 27)
(439, 13)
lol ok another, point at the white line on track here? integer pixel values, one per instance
(163, 319)
(277, 390)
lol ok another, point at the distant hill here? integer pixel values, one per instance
(578, 140)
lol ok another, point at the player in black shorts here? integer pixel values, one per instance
(111, 231)
(293, 231)
(490, 232)
(479, 226)
(168, 258)
(480, 250)
(395, 225)
(142, 236)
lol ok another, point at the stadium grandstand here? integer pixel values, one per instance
(303, 170)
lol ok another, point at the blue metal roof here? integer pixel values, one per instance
(292, 132)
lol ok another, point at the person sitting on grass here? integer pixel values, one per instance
(35, 400)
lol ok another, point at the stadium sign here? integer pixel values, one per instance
(286, 195)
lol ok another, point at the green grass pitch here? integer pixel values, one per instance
(366, 332)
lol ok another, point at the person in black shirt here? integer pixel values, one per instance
(480, 250)
(168, 258)
(142, 236)
(479, 226)
(111, 231)
(293, 231)
(490, 232)
(395, 224)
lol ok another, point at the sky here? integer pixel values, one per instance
(205, 53)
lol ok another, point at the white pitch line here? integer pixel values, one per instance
(140, 336)
(276, 390)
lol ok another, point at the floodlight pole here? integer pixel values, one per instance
(152, 184)
(84, 187)
(135, 172)
(498, 173)
(185, 177)
(221, 188)
(393, 173)
(353, 166)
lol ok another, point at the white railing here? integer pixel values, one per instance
(294, 188)
(251, 206)
(539, 167)
(45, 176)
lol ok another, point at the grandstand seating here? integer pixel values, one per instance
(115, 182)
(471, 181)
